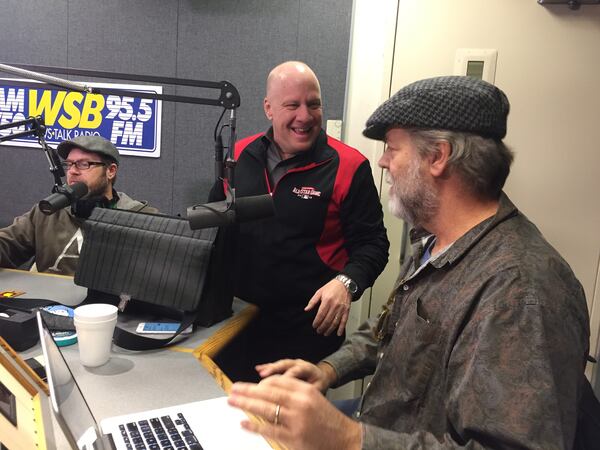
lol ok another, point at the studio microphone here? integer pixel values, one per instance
(218, 214)
(64, 196)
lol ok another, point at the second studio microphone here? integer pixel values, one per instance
(218, 214)
(64, 196)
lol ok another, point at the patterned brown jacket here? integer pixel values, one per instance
(484, 347)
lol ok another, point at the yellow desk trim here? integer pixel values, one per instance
(226, 333)
(31, 390)
(175, 348)
(27, 389)
(213, 345)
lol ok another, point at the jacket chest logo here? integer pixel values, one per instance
(306, 192)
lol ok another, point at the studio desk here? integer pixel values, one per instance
(137, 381)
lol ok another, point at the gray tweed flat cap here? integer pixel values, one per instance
(455, 103)
(96, 144)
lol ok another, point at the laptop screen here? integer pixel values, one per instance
(68, 403)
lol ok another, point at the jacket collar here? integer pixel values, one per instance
(318, 153)
(506, 210)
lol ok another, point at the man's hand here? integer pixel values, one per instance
(296, 415)
(320, 376)
(334, 309)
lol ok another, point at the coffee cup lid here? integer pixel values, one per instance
(96, 312)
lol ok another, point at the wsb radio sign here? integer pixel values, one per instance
(132, 124)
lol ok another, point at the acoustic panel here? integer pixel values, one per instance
(212, 40)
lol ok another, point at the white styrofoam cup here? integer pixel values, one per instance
(95, 325)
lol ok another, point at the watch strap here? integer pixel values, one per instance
(348, 283)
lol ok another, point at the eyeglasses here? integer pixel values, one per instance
(81, 165)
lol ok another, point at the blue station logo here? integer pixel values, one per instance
(132, 124)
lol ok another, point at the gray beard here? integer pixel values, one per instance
(412, 200)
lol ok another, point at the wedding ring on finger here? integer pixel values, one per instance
(277, 409)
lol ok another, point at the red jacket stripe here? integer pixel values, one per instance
(331, 244)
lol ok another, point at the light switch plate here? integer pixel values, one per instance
(334, 129)
(488, 57)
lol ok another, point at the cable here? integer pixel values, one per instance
(218, 122)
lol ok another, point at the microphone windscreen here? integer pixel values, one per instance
(254, 207)
(209, 215)
(64, 196)
(78, 190)
(219, 214)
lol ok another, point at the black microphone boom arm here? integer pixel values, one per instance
(229, 99)
(38, 128)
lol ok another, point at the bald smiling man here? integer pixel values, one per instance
(326, 243)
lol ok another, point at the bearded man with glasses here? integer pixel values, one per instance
(54, 241)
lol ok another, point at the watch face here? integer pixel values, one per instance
(348, 283)
(352, 287)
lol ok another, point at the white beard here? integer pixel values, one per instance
(412, 199)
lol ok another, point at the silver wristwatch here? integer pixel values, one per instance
(349, 283)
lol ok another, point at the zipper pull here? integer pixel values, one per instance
(123, 300)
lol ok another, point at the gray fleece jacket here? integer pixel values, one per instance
(54, 241)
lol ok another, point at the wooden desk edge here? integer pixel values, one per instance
(34, 377)
(214, 344)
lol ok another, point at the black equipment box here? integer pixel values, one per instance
(18, 328)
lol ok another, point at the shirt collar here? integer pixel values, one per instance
(506, 210)
(115, 199)
(312, 154)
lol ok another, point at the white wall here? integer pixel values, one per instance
(549, 66)
(369, 77)
(369, 84)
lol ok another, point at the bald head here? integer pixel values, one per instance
(293, 105)
(290, 72)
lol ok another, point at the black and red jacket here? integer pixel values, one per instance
(328, 219)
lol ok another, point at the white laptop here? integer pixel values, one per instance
(207, 425)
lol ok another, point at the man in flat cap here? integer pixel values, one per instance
(484, 339)
(54, 241)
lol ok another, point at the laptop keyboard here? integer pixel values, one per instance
(162, 433)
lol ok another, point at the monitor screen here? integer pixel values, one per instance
(68, 403)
